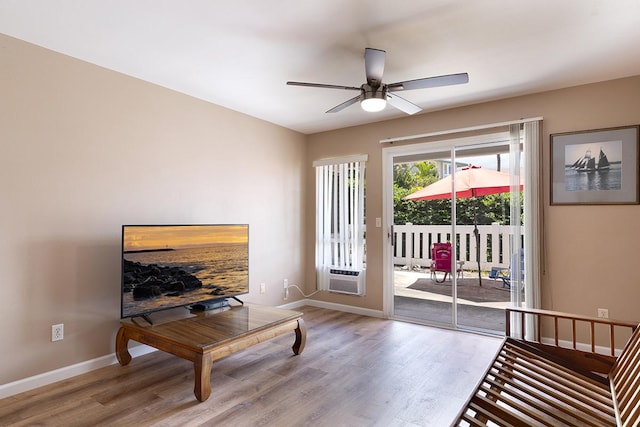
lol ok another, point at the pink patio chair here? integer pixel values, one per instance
(441, 261)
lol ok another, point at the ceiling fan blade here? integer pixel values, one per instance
(446, 80)
(402, 104)
(345, 104)
(374, 66)
(323, 85)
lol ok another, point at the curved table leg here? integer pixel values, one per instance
(202, 370)
(122, 352)
(301, 337)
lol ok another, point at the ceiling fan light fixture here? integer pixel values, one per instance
(373, 105)
(374, 100)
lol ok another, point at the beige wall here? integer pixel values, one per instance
(591, 251)
(85, 150)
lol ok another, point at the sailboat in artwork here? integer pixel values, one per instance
(588, 163)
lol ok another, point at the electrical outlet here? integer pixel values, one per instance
(263, 288)
(286, 288)
(57, 332)
(603, 313)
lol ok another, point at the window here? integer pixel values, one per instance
(340, 226)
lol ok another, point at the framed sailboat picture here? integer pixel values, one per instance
(595, 167)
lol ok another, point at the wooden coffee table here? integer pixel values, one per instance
(205, 337)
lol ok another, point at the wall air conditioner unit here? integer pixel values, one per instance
(346, 281)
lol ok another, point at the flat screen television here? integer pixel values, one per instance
(168, 266)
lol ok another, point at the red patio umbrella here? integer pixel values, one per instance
(472, 181)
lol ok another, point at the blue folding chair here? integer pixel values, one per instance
(506, 278)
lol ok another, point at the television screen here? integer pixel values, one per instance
(167, 266)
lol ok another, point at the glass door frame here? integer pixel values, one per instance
(390, 154)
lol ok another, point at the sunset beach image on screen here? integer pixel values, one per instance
(167, 266)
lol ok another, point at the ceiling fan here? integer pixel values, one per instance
(374, 94)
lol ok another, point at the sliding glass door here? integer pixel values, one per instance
(463, 196)
(488, 229)
(419, 292)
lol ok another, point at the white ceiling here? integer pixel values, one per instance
(240, 53)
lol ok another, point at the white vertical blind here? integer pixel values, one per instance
(339, 216)
(529, 134)
(515, 214)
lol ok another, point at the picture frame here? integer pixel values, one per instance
(595, 167)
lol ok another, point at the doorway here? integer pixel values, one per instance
(484, 232)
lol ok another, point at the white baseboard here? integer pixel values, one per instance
(581, 346)
(333, 306)
(60, 374)
(46, 378)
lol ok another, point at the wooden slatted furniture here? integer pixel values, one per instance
(531, 382)
(204, 337)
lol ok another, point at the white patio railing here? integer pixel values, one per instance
(413, 243)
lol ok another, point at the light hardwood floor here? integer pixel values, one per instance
(354, 371)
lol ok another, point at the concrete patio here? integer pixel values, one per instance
(432, 307)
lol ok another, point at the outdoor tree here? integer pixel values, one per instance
(408, 178)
